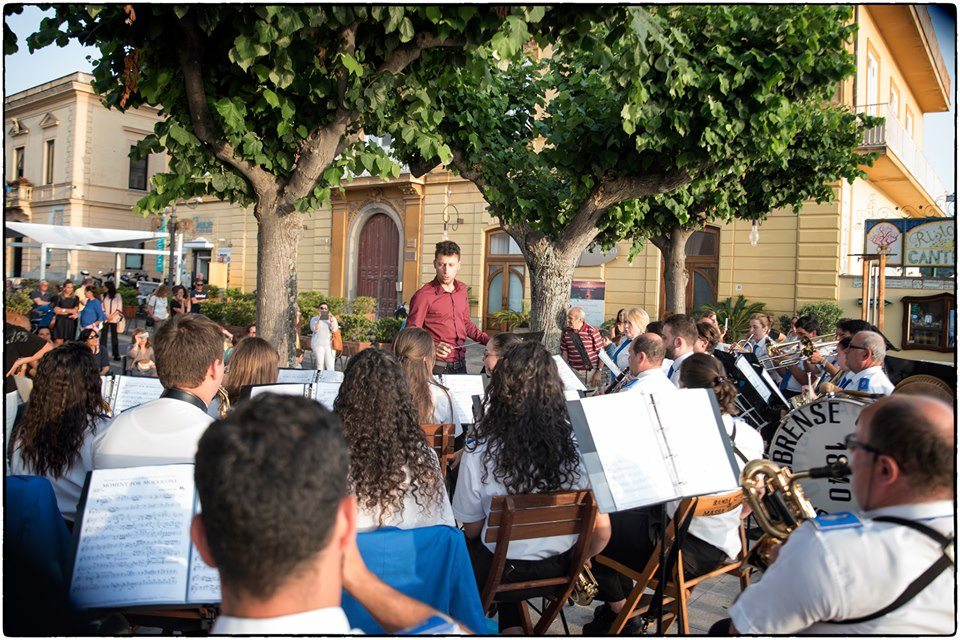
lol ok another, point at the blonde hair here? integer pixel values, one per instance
(638, 318)
(763, 319)
(254, 361)
(416, 353)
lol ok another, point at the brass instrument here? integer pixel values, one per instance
(778, 502)
(224, 402)
(585, 589)
(794, 352)
(830, 388)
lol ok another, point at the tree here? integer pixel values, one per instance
(822, 151)
(564, 148)
(267, 105)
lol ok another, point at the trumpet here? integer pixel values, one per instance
(795, 352)
(778, 502)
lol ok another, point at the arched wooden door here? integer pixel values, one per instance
(377, 260)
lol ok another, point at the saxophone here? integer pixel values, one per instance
(585, 589)
(224, 402)
(778, 502)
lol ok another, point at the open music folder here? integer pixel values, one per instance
(323, 392)
(123, 392)
(132, 543)
(307, 376)
(645, 449)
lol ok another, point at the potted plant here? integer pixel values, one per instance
(357, 331)
(510, 320)
(128, 295)
(364, 306)
(386, 331)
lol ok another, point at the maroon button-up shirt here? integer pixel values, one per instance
(445, 316)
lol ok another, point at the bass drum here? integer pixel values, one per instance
(812, 436)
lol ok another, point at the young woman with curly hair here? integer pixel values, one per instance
(523, 444)
(417, 354)
(54, 438)
(393, 472)
(711, 541)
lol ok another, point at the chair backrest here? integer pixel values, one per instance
(538, 515)
(440, 437)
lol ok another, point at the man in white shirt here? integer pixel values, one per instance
(189, 356)
(279, 524)
(646, 358)
(865, 360)
(806, 371)
(887, 570)
(679, 335)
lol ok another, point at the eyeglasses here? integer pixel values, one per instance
(853, 346)
(93, 336)
(852, 443)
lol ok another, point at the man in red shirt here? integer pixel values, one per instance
(441, 309)
(583, 356)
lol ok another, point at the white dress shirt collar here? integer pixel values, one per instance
(327, 621)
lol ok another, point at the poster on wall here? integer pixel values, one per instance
(223, 254)
(913, 242)
(589, 295)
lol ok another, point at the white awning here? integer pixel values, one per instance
(198, 243)
(51, 234)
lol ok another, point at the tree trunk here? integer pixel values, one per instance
(674, 250)
(551, 272)
(278, 240)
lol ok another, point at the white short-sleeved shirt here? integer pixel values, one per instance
(163, 431)
(331, 621)
(322, 330)
(722, 531)
(443, 412)
(845, 573)
(871, 380)
(67, 487)
(797, 385)
(650, 381)
(159, 307)
(621, 354)
(471, 503)
(413, 515)
(673, 371)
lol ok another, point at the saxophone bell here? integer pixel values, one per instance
(224, 402)
(585, 589)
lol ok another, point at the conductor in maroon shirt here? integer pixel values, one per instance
(441, 309)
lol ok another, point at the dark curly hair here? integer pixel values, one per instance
(66, 403)
(524, 423)
(381, 425)
(704, 371)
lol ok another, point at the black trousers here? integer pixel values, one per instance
(441, 368)
(634, 536)
(111, 328)
(515, 571)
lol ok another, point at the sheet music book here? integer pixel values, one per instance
(132, 540)
(765, 375)
(462, 389)
(753, 378)
(307, 376)
(568, 377)
(608, 361)
(641, 449)
(323, 392)
(123, 392)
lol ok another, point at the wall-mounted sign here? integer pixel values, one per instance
(202, 226)
(590, 297)
(913, 242)
(223, 254)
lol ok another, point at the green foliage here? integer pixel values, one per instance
(356, 328)
(213, 291)
(31, 284)
(310, 301)
(239, 294)
(237, 312)
(736, 312)
(128, 294)
(18, 301)
(512, 319)
(387, 329)
(826, 313)
(784, 323)
(363, 305)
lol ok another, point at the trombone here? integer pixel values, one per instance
(787, 354)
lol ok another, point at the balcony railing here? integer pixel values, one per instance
(18, 195)
(892, 135)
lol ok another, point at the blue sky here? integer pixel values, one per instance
(24, 70)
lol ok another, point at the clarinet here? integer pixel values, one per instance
(618, 382)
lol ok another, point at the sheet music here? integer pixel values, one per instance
(325, 393)
(285, 389)
(132, 391)
(753, 378)
(570, 379)
(462, 389)
(690, 427)
(299, 376)
(774, 386)
(134, 537)
(571, 394)
(608, 361)
(628, 451)
(204, 583)
(330, 376)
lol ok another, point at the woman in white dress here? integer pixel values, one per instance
(322, 326)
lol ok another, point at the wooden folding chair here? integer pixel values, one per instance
(193, 621)
(678, 589)
(543, 515)
(441, 437)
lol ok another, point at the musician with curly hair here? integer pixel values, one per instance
(523, 444)
(54, 438)
(394, 474)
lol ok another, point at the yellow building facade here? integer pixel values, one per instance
(378, 237)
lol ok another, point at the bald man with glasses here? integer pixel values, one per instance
(887, 569)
